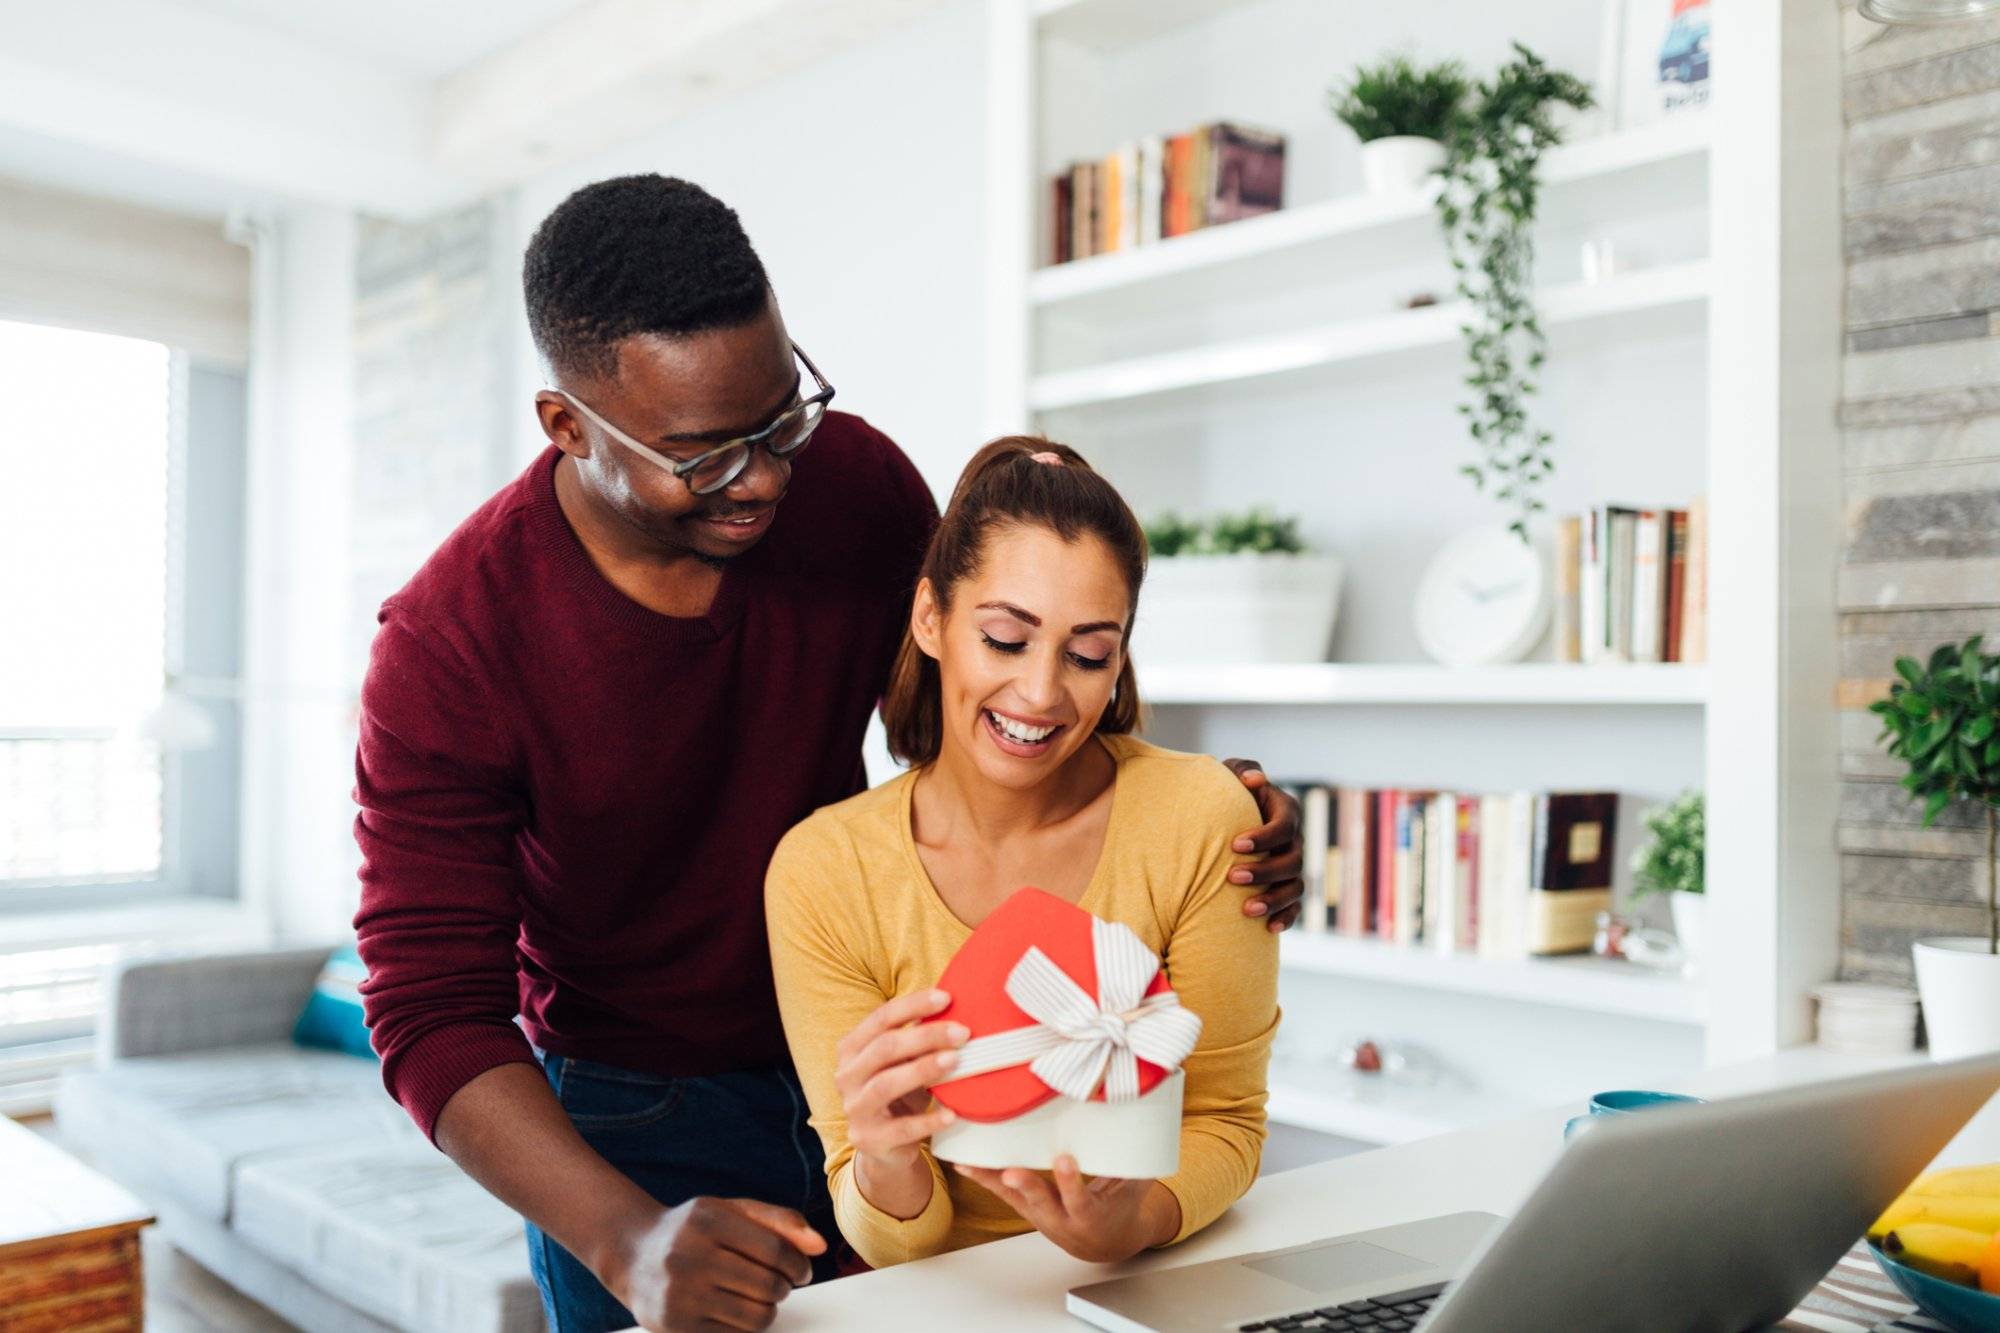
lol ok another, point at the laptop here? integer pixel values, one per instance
(1703, 1217)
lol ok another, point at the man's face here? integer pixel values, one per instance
(683, 396)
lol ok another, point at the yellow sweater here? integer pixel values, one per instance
(855, 922)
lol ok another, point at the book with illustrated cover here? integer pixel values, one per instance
(1246, 172)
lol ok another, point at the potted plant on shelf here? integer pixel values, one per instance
(1673, 862)
(1235, 588)
(1402, 114)
(1942, 720)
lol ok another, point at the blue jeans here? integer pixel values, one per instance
(739, 1135)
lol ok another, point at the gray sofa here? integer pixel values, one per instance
(289, 1172)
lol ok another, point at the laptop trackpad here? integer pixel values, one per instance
(1328, 1267)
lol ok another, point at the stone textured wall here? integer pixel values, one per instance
(1921, 431)
(429, 346)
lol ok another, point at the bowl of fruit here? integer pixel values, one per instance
(1938, 1244)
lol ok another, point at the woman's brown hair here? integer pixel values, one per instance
(1005, 483)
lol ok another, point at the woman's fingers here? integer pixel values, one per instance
(876, 1095)
(892, 1050)
(884, 1133)
(1071, 1191)
(894, 1014)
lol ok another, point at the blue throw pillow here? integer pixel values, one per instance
(332, 1018)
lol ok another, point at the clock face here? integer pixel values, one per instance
(1484, 599)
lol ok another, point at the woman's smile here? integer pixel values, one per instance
(1018, 736)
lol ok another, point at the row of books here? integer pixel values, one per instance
(1632, 585)
(1502, 876)
(1165, 185)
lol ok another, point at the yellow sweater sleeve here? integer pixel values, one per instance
(1224, 966)
(822, 944)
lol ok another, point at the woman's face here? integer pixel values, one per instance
(1029, 652)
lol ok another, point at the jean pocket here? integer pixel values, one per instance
(603, 1097)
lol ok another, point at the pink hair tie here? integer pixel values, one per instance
(1053, 460)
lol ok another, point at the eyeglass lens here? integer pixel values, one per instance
(794, 429)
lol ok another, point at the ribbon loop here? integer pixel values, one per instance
(1078, 1042)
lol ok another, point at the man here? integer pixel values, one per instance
(588, 719)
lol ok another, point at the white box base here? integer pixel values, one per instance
(1138, 1140)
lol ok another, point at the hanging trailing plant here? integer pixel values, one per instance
(1487, 209)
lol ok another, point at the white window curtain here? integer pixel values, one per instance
(115, 268)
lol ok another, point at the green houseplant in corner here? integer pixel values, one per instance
(1942, 721)
(1234, 588)
(1674, 862)
(1402, 113)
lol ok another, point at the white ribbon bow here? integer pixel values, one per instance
(1076, 1041)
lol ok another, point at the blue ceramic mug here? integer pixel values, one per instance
(1625, 1102)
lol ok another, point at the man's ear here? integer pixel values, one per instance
(927, 619)
(560, 424)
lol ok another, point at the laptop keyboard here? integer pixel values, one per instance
(1393, 1313)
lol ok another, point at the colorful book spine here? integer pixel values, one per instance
(1676, 583)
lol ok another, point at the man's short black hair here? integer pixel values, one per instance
(631, 255)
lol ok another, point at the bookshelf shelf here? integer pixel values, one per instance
(1375, 1110)
(1596, 985)
(1108, 25)
(1580, 180)
(1670, 292)
(1333, 683)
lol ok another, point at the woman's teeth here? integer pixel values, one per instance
(1019, 731)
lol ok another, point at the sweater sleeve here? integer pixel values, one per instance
(440, 908)
(821, 947)
(1224, 966)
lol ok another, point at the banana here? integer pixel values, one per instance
(1960, 1181)
(1951, 1253)
(1974, 1214)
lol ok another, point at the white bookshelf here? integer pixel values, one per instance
(1635, 304)
(1594, 985)
(1276, 361)
(1328, 683)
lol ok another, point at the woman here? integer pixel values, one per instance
(1013, 699)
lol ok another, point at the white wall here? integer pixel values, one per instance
(298, 764)
(860, 182)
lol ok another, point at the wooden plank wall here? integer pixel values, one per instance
(1921, 430)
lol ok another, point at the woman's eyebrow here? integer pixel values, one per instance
(1096, 625)
(1011, 610)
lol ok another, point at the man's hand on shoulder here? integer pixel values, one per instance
(710, 1262)
(1278, 838)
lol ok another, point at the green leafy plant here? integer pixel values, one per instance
(1399, 97)
(1254, 532)
(1942, 720)
(1672, 861)
(1487, 209)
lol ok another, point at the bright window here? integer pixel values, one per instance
(85, 488)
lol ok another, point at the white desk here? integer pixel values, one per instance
(1018, 1284)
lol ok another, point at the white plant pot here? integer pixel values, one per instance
(1959, 983)
(1399, 163)
(1237, 608)
(1690, 925)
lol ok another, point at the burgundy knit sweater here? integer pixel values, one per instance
(568, 801)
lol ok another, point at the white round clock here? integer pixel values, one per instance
(1485, 598)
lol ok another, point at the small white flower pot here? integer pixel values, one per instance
(1237, 608)
(1399, 163)
(1690, 921)
(1959, 982)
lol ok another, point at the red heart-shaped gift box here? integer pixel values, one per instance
(976, 980)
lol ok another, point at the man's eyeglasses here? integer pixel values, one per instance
(710, 471)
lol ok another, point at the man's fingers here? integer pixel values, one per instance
(1286, 919)
(751, 1281)
(729, 1310)
(775, 1237)
(903, 1009)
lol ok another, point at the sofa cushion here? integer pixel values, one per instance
(394, 1229)
(332, 1019)
(183, 1124)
